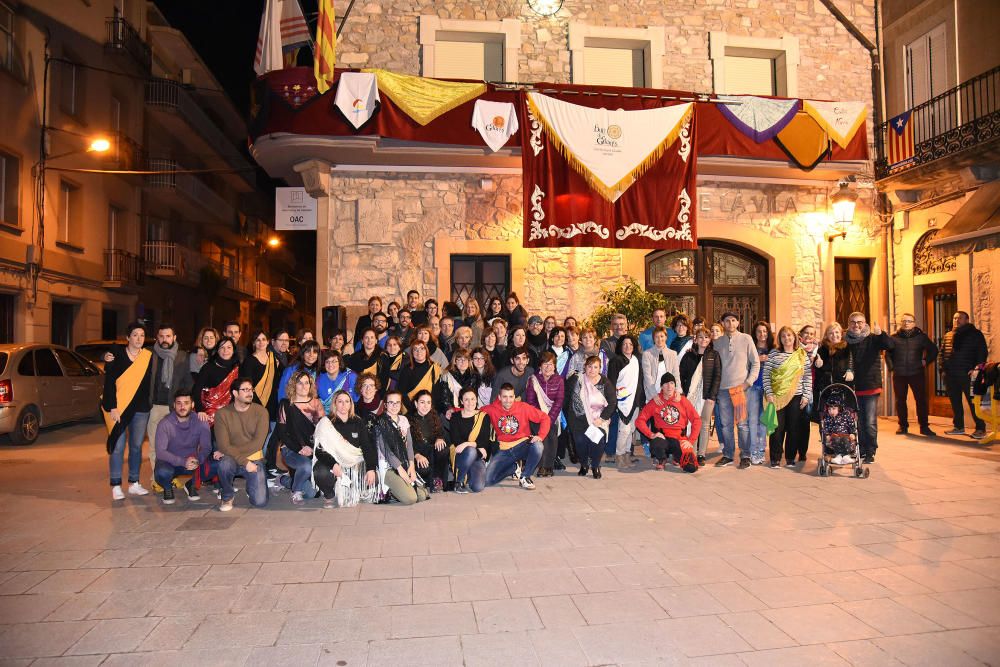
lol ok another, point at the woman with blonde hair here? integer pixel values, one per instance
(472, 315)
(345, 453)
(298, 415)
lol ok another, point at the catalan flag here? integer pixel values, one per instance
(899, 141)
(326, 45)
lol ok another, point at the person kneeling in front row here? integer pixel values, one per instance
(240, 431)
(511, 421)
(671, 413)
(183, 445)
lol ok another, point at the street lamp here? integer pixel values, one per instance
(273, 242)
(99, 145)
(843, 201)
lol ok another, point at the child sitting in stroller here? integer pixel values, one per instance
(841, 431)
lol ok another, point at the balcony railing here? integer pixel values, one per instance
(173, 261)
(190, 186)
(282, 297)
(242, 283)
(172, 96)
(121, 268)
(262, 292)
(964, 117)
(123, 38)
(126, 153)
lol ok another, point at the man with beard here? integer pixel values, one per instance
(516, 375)
(241, 429)
(280, 340)
(963, 348)
(418, 315)
(912, 354)
(232, 330)
(405, 328)
(183, 446)
(866, 346)
(538, 340)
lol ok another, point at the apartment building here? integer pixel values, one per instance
(187, 243)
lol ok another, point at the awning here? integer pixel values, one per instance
(978, 217)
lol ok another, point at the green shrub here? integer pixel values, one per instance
(629, 298)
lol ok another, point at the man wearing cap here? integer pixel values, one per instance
(740, 365)
(671, 413)
(537, 340)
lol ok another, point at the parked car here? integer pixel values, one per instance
(42, 385)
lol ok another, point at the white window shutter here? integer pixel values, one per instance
(749, 76)
(460, 60)
(613, 67)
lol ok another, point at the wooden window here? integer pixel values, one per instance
(481, 277)
(10, 173)
(852, 277)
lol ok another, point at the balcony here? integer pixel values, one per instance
(282, 297)
(122, 269)
(173, 262)
(262, 292)
(126, 153)
(177, 189)
(242, 284)
(122, 38)
(957, 129)
(181, 113)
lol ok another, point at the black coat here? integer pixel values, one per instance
(711, 372)
(615, 367)
(913, 350)
(866, 355)
(963, 349)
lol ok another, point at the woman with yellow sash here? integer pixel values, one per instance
(126, 404)
(264, 370)
(392, 363)
(472, 435)
(420, 374)
(788, 385)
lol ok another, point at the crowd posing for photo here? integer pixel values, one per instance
(427, 398)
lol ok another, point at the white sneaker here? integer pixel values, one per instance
(117, 493)
(226, 505)
(136, 489)
(847, 458)
(838, 459)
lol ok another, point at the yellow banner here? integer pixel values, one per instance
(424, 99)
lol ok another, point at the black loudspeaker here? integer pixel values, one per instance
(334, 319)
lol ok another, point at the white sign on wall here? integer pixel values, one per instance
(294, 209)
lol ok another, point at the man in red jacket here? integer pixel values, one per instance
(671, 413)
(512, 421)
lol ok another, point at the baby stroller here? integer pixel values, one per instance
(838, 431)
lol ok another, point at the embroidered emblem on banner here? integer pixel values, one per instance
(357, 97)
(423, 99)
(610, 149)
(574, 229)
(760, 118)
(841, 120)
(496, 122)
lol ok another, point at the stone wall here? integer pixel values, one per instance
(832, 64)
(985, 298)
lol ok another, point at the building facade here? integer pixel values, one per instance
(448, 220)
(184, 244)
(942, 67)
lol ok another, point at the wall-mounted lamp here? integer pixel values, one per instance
(843, 201)
(545, 7)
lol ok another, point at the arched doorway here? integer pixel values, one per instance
(716, 278)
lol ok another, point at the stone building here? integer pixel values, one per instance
(447, 220)
(942, 65)
(111, 247)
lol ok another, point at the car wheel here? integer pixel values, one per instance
(26, 427)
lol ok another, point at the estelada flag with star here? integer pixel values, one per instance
(326, 45)
(899, 141)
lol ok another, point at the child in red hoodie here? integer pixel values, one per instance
(512, 421)
(671, 414)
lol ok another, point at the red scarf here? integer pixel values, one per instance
(219, 396)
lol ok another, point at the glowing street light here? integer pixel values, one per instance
(273, 242)
(843, 201)
(99, 145)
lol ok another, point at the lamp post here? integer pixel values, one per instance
(843, 201)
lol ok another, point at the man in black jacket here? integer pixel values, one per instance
(913, 352)
(963, 348)
(866, 345)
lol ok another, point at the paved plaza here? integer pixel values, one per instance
(725, 567)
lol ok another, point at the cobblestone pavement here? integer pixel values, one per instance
(725, 567)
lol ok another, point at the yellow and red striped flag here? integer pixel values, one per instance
(325, 55)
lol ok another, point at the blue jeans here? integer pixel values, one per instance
(758, 432)
(505, 461)
(469, 465)
(300, 469)
(612, 441)
(136, 432)
(868, 427)
(164, 473)
(256, 481)
(724, 418)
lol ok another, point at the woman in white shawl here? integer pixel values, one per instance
(625, 372)
(344, 439)
(590, 403)
(701, 374)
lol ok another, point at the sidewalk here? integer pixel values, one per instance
(724, 567)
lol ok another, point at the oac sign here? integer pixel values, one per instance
(294, 209)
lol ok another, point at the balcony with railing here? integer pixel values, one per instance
(180, 108)
(262, 292)
(282, 297)
(126, 153)
(187, 190)
(122, 269)
(961, 124)
(173, 262)
(124, 39)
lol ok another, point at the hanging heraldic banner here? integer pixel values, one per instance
(594, 177)
(294, 209)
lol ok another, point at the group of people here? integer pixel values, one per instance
(428, 398)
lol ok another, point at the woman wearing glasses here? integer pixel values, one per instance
(395, 452)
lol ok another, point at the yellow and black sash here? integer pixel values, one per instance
(126, 387)
(427, 381)
(266, 383)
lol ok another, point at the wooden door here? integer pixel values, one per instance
(940, 304)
